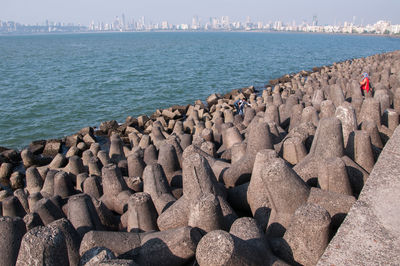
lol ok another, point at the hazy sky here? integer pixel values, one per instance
(182, 11)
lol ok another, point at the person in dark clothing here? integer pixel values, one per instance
(240, 104)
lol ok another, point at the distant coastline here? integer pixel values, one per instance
(197, 31)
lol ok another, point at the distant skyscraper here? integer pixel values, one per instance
(214, 23)
(315, 20)
(142, 23)
(195, 23)
(123, 22)
(248, 20)
(164, 25)
(225, 22)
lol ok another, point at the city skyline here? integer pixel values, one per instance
(180, 11)
(224, 23)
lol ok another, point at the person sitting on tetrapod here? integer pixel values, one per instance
(240, 104)
(365, 84)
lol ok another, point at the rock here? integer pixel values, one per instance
(173, 247)
(95, 256)
(47, 210)
(119, 243)
(72, 239)
(156, 185)
(221, 248)
(308, 234)
(52, 148)
(206, 214)
(257, 194)
(332, 176)
(34, 181)
(142, 215)
(107, 126)
(11, 232)
(338, 205)
(43, 246)
(32, 220)
(82, 214)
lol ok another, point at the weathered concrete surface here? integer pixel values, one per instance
(370, 234)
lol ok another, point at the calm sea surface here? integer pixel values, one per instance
(53, 85)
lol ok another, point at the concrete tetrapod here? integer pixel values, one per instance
(337, 205)
(23, 198)
(47, 210)
(116, 149)
(359, 148)
(82, 214)
(259, 138)
(33, 198)
(103, 157)
(327, 109)
(222, 248)
(155, 183)
(247, 229)
(294, 150)
(206, 213)
(43, 245)
(59, 161)
(32, 220)
(150, 154)
(34, 181)
(286, 192)
(121, 202)
(347, 116)
(370, 110)
(173, 247)
(92, 187)
(12, 207)
(11, 232)
(118, 242)
(257, 195)
(113, 184)
(198, 179)
(48, 186)
(308, 234)
(72, 239)
(95, 256)
(106, 216)
(230, 137)
(75, 166)
(63, 186)
(136, 165)
(142, 215)
(372, 129)
(168, 159)
(327, 143)
(332, 176)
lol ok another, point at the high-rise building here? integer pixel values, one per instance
(123, 22)
(225, 22)
(214, 23)
(164, 25)
(195, 23)
(315, 20)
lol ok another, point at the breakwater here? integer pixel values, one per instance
(202, 184)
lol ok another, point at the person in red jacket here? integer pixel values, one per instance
(365, 84)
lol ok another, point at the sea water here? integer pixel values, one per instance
(53, 85)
